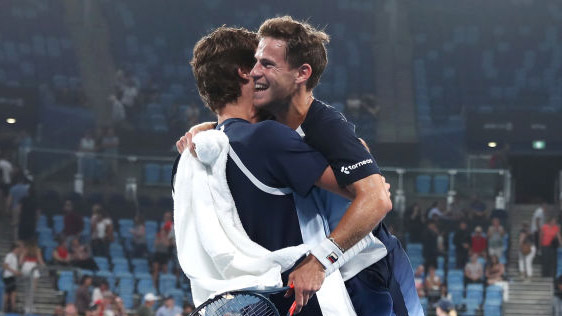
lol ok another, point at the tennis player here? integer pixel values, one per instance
(291, 57)
(271, 161)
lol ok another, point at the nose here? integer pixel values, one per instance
(257, 71)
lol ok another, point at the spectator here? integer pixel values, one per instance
(118, 306)
(87, 149)
(557, 300)
(30, 258)
(550, 240)
(73, 222)
(414, 221)
(169, 308)
(527, 251)
(100, 292)
(479, 242)
(419, 280)
(430, 249)
(118, 112)
(70, 310)
(161, 254)
(102, 231)
(83, 295)
(18, 191)
(494, 270)
(146, 308)
(6, 169)
(110, 146)
(433, 283)
(188, 308)
(462, 242)
(60, 254)
(536, 224)
(139, 238)
(445, 308)
(495, 238)
(473, 270)
(435, 212)
(478, 212)
(29, 214)
(81, 256)
(10, 266)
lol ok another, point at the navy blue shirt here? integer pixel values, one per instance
(330, 133)
(279, 158)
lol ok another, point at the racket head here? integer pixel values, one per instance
(240, 303)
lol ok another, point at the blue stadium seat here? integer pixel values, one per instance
(128, 301)
(145, 286)
(166, 282)
(102, 262)
(475, 292)
(423, 184)
(441, 184)
(166, 175)
(177, 294)
(151, 173)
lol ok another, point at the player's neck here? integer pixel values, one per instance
(297, 109)
(242, 109)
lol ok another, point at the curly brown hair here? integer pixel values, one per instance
(305, 44)
(215, 63)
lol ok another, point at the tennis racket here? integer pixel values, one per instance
(242, 303)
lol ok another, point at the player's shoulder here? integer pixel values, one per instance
(320, 111)
(272, 133)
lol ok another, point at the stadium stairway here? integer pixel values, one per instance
(526, 297)
(45, 298)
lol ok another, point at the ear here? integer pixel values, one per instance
(244, 74)
(303, 73)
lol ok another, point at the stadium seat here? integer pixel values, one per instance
(145, 286)
(177, 294)
(475, 292)
(102, 262)
(128, 301)
(151, 173)
(423, 184)
(441, 184)
(166, 282)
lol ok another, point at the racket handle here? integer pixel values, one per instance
(292, 309)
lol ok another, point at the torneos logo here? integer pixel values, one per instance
(347, 169)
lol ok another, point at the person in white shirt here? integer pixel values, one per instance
(537, 222)
(11, 270)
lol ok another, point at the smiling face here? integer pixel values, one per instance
(274, 79)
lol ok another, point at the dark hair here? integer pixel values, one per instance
(216, 60)
(84, 278)
(305, 44)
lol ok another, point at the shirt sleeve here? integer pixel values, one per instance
(335, 138)
(290, 161)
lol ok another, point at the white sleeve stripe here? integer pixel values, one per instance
(265, 188)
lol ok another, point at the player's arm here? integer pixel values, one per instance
(185, 141)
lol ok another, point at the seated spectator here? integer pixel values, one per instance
(100, 292)
(169, 308)
(139, 238)
(188, 308)
(419, 280)
(60, 254)
(494, 270)
(479, 242)
(462, 242)
(433, 283)
(102, 231)
(161, 254)
(73, 222)
(495, 238)
(83, 296)
(81, 257)
(473, 270)
(146, 308)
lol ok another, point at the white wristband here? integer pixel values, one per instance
(332, 258)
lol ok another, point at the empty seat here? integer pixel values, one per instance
(423, 184)
(441, 184)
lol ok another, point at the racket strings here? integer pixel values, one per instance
(239, 305)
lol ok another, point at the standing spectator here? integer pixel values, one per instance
(73, 222)
(146, 308)
(527, 251)
(433, 283)
(536, 224)
(495, 238)
(415, 220)
(30, 258)
(435, 212)
(473, 271)
(550, 240)
(81, 256)
(18, 191)
(118, 112)
(161, 254)
(11, 270)
(6, 169)
(29, 214)
(61, 256)
(479, 242)
(102, 231)
(169, 308)
(139, 238)
(83, 295)
(87, 151)
(557, 300)
(430, 249)
(462, 242)
(110, 146)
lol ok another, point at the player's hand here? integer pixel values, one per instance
(386, 185)
(185, 142)
(307, 278)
